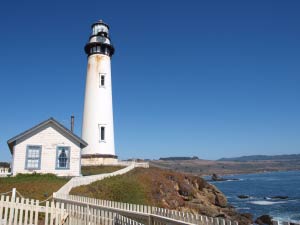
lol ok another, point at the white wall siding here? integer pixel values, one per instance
(49, 138)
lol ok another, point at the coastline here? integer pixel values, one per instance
(261, 191)
(248, 173)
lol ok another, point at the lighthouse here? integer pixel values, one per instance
(98, 125)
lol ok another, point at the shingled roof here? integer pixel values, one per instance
(12, 142)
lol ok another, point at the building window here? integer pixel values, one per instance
(102, 132)
(101, 80)
(33, 157)
(63, 158)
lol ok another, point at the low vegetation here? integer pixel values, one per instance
(92, 170)
(123, 188)
(36, 186)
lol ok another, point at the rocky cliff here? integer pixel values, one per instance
(185, 192)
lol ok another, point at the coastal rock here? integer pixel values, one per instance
(221, 200)
(264, 219)
(216, 177)
(243, 196)
(247, 216)
(279, 197)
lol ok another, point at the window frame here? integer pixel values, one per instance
(28, 158)
(56, 158)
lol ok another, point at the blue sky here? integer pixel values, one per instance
(204, 78)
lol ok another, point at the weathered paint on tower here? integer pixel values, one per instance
(98, 126)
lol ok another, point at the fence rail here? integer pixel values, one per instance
(122, 220)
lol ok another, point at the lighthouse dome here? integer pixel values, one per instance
(100, 27)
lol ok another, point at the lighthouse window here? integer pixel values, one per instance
(101, 80)
(63, 158)
(102, 133)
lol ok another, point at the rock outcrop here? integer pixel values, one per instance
(243, 196)
(185, 192)
(264, 219)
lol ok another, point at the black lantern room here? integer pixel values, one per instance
(99, 41)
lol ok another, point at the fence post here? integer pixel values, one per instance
(13, 195)
(150, 220)
(12, 200)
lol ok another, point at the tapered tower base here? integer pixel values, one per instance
(98, 159)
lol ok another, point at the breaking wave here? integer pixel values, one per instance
(267, 202)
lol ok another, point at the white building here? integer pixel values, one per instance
(4, 171)
(98, 125)
(48, 147)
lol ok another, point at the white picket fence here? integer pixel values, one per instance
(20, 211)
(142, 213)
(78, 181)
(118, 213)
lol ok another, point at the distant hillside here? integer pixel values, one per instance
(262, 157)
(180, 158)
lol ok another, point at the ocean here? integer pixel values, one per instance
(260, 188)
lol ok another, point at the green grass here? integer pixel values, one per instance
(92, 170)
(36, 186)
(123, 188)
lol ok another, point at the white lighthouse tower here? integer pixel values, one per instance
(98, 125)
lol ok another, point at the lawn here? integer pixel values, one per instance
(36, 186)
(92, 170)
(124, 188)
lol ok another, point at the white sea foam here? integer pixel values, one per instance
(243, 208)
(266, 202)
(231, 180)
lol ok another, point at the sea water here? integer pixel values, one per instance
(261, 188)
